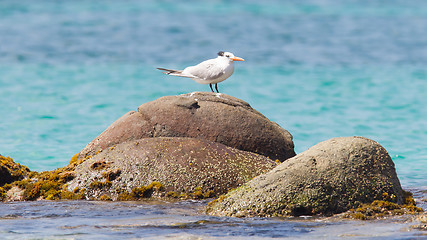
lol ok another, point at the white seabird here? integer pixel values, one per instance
(210, 72)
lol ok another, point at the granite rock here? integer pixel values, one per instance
(330, 177)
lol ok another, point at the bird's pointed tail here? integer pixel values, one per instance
(170, 71)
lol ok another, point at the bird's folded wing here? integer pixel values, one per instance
(206, 70)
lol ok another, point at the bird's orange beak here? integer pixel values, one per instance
(237, 59)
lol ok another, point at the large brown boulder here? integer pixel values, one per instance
(215, 117)
(330, 177)
(181, 165)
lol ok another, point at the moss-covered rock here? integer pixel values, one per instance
(30, 185)
(49, 185)
(11, 171)
(141, 192)
(382, 208)
(331, 177)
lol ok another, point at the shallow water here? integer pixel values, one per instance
(320, 69)
(181, 220)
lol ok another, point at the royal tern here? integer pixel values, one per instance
(210, 72)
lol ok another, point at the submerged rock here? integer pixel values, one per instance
(421, 221)
(330, 177)
(181, 165)
(215, 117)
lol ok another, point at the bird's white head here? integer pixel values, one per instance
(230, 56)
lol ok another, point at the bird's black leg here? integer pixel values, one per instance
(216, 87)
(210, 85)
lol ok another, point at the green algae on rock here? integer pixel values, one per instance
(141, 192)
(49, 185)
(11, 171)
(330, 177)
(383, 208)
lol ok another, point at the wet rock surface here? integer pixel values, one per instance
(330, 177)
(421, 221)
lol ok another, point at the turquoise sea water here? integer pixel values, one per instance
(320, 69)
(181, 220)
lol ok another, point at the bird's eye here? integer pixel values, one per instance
(227, 55)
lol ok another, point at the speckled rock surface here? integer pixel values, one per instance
(214, 117)
(330, 177)
(179, 164)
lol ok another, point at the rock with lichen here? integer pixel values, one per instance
(183, 166)
(331, 177)
(214, 117)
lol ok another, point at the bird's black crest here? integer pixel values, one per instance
(221, 53)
